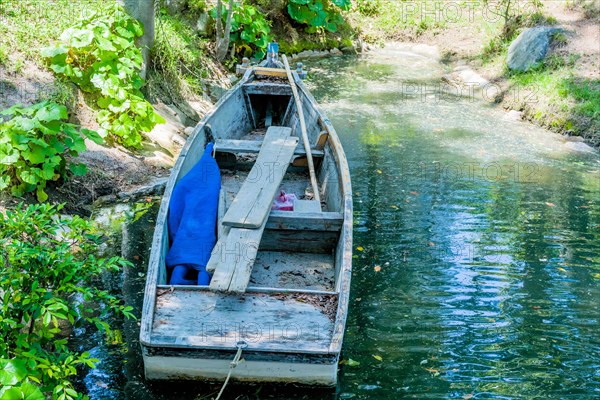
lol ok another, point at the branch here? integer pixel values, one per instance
(219, 22)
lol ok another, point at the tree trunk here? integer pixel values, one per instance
(143, 11)
(223, 36)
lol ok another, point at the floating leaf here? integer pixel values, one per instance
(350, 362)
(562, 269)
(360, 248)
(550, 204)
(378, 357)
(379, 171)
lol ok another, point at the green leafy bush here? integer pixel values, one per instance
(14, 383)
(34, 144)
(47, 261)
(318, 13)
(250, 31)
(99, 55)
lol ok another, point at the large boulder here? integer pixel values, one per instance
(530, 47)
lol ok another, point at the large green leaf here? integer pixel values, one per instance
(78, 145)
(41, 194)
(23, 123)
(4, 181)
(48, 173)
(92, 135)
(343, 4)
(9, 155)
(50, 52)
(77, 37)
(320, 19)
(30, 176)
(78, 169)
(12, 372)
(31, 392)
(52, 112)
(35, 156)
(331, 27)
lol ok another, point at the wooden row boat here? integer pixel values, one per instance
(287, 312)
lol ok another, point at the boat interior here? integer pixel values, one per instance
(290, 301)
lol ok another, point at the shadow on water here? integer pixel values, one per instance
(476, 265)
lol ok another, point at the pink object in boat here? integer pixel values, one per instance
(284, 202)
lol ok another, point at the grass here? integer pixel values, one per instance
(560, 100)
(29, 25)
(180, 59)
(380, 20)
(3, 55)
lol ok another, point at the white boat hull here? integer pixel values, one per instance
(185, 368)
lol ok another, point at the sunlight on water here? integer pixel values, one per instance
(480, 272)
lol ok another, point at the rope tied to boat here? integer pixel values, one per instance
(237, 359)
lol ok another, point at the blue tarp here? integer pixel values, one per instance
(192, 221)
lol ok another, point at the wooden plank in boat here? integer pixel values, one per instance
(220, 213)
(322, 140)
(252, 204)
(293, 220)
(253, 146)
(268, 322)
(307, 206)
(249, 241)
(270, 72)
(300, 241)
(235, 255)
(270, 88)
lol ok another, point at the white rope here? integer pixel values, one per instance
(234, 363)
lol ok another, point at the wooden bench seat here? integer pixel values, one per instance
(254, 146)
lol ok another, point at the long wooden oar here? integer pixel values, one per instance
(311, 165)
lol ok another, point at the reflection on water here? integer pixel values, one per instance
(478, 274)
(480, 270)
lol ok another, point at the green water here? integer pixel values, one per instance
(487, 233)
(477, 248)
